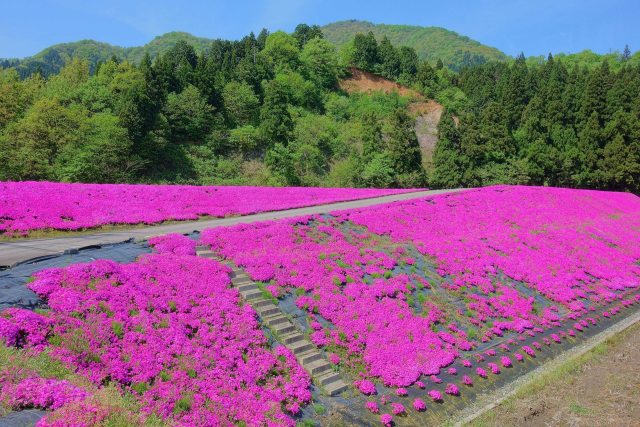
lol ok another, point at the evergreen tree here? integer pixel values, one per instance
(448, 159)
(275, 121)
(389, 65)
(365, 51)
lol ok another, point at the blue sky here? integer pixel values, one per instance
(535, 26)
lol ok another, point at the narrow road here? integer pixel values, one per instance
(17, 251)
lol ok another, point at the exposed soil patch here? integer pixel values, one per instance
(603, 390)
(426, 111)
(364, 81)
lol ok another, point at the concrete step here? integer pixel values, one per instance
(284, 329)
(267, 310)
(327, 377)
(300, 347)
(278, 319)
(252, 295)
(207, 254)
(309, 356)
(317, 367)
(292, 338)
(335, 387)
(249, 286)
(257, 304)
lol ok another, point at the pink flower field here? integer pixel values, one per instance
(27, 206)
(506, 260)
(168, 329)
(416, 303)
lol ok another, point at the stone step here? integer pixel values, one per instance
(317, 367)
(257, 304)
(327, 377)
(291, 338)
(247, 287)
(284, 329)
(267, 310)
(207, 254)
(241, 282)
(252, 295)
(309, 356)
(335, 387)
(278, 319)
(300, 347)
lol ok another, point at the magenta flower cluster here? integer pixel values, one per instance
(568, 245)
(329, 267)
(26, 206)
(35, 392)
(170, 329)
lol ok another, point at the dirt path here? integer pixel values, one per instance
(601, 388)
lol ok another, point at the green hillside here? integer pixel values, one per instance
(431, 43)
(52, 59)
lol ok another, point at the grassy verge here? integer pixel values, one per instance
(123, 408)
(567, 372)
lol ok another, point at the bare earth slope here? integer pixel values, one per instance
(427, 112)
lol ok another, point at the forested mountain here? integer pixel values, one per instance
(52, 59)
(269, 110)
(430, 43)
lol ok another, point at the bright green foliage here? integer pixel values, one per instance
(241, 103)
(282, 50)
(188, 115)
(268, 110)
(320, 63)
(430, 43)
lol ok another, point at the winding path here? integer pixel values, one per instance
(16, 251)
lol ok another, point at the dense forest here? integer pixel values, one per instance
(268, 110)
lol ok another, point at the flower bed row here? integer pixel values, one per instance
(27, 206)
(519, 260)
(479, 367)
(167, 328)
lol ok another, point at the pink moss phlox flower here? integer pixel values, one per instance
(40, 393)
(435, 379)
(495, 369)
(452, 389)
(519, 357)
(435, 395)
(386, 420)
(401, 391)
(397, 408)
(481, 372)
(467, 363)
(30, 205)
(372, 407)
(366, 387)
(419, 405)
(169, 325)
(505, 361)
(175, 244)
(420, 384)
(452, 371)
(466, 380)
(334, 358)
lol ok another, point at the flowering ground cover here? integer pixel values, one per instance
(166, 329)
(400, 291)
(28, 206)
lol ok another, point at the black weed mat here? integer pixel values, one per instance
(14, 293)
